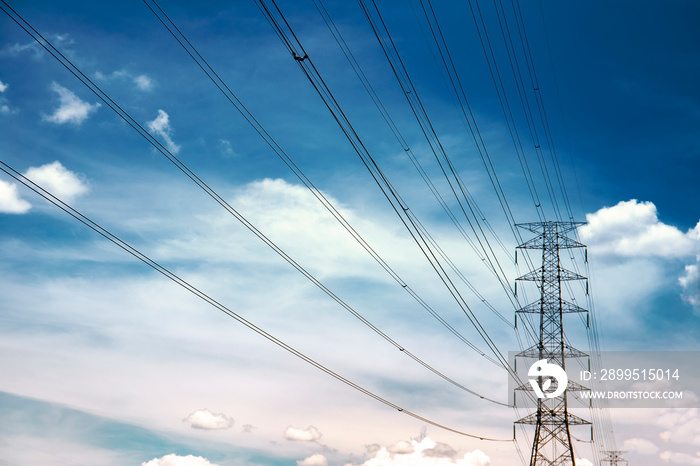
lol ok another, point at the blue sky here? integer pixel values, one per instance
(107, 362)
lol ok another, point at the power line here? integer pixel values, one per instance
(211, 301)
(218, 81)
(214, 195)
(301, 57)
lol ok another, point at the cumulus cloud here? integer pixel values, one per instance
(641, 446)
(10, 202)
(424, 452)
(71, 108)
(3, 86)
(310, 434)
(632, 228)
(161, 126)
(205, 419)
(314, 460)
(57, 180)
(175, 460)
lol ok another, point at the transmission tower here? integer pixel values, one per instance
(614, 458)
(552, 440)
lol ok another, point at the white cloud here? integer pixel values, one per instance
(10, 202)
(71, 109)
(57, 180)
(143, 82)
(681, 426)
(3, 86)
(401, 447)
(161, 126)
(640, 445)
(583, 462)
(175, 460)
(678, 458)
(690, 282)
(632, 228)
(205, 419)
(424, 452)
(314, 460)
(310, 434)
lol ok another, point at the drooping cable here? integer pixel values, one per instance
(211, 301)
(67, 63)
(218, 81)
(290, 40)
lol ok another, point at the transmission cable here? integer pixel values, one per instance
(218, 81)
(214, 195)
(299, 54)
(211, 301)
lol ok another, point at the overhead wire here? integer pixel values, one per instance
(7, 169)
(287, 35)
(219, 82)
(447, 167)
(330, 23)
(70, 66)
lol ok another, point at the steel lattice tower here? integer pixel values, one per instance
(614, 458)
(552, 440)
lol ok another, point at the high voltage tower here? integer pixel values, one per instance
(552, 440)
(614, 458)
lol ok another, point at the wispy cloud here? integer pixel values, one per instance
(161, 126)
(226, 148)
(35, 48)
(141, 81)
(71, 108)
(4, 106)
(690, 282)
